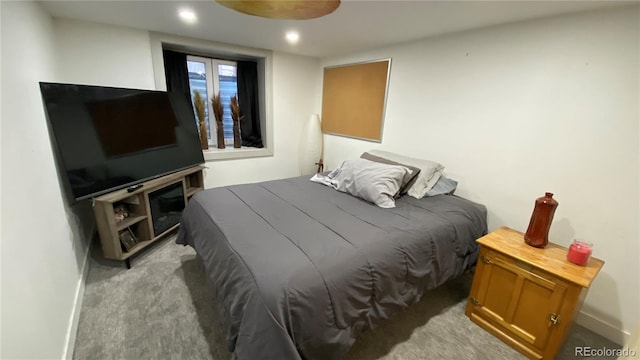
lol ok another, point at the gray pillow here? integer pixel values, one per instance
(408, 179)
(368, 180)
(430, 171)
(444, 185)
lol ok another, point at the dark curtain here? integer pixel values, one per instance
(176, 73)
(247, 72)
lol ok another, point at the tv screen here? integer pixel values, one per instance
(107, 138)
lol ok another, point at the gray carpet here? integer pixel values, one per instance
(162, 308)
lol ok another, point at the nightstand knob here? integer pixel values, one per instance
(475, 301)
(554, 319)
(486, 260)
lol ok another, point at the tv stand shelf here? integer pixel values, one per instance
(131, 220)
(125, 218)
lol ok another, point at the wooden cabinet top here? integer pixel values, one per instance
(552, 258)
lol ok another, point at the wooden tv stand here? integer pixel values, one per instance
(135, 217)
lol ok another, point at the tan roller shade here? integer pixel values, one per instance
(353, 99)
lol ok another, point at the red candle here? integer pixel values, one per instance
(579, 252)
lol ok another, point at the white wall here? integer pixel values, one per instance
(516, 110)
(95, 54)
(87, 56)
(43, 243)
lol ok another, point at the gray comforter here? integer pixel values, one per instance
(299, 270)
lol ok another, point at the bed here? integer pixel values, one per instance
(300, 270)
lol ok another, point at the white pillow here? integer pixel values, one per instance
(430, 171)
(371, 181)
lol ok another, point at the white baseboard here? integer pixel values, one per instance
(67, 354)
(603, 328)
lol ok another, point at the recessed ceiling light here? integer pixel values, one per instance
(188, 16)
(292, 37)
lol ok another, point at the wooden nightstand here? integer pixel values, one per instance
(526, 296)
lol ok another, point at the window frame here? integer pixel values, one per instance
(213, 87)
(205, 48)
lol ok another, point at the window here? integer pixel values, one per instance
(210, 76)
(255, 126)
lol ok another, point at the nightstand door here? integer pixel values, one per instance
(514, 295)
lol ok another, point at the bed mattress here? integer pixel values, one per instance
(299, 270)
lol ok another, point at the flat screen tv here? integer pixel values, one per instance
(107, 138)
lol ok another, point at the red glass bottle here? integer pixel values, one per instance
(537, 234)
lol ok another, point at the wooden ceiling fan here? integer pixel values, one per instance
(283, 9)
